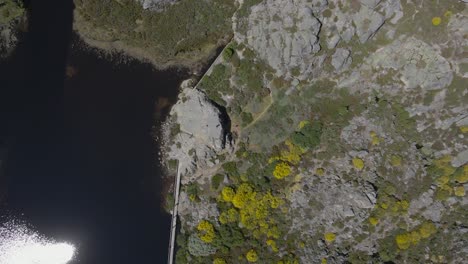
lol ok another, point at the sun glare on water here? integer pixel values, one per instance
(21, 245)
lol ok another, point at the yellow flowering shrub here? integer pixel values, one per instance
(244, 177)
(223, 218)
(228, 194)
(192, 197)
(329, 237)
(272, 244)
(229, 216)
(373, 221)
(443, 180)
(254, 214)
(464, 129)
(273, 232)
(384, 206)
(459, 191)
(275, 202)
(219, 261)
(282, 170)
(252, 210)
(436, 21)
(448, 177)
(403, 241)
(303, 123)
(251, 256)
(415, 237)
(400, 207)
(206, 231)
(462, 176)
(320, 171)
(427, 229)
(375, 140)
(395, 161)
(358, 163)
(243, 194)
(443, 160)
(293, 154)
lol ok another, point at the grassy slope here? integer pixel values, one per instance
(185, 33)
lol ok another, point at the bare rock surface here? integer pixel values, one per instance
(420, 64)
(341, 59)
(203, 131)
(284, 34)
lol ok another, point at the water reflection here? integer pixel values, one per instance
(22, 245)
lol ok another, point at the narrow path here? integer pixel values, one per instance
(171, 249)
(259, 116)
(174, 217)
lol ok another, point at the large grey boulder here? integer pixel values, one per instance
(204, 131)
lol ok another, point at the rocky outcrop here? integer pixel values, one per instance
(361, 18)
(284, 34)
(367, 22)
(202, 132)
(419, 64)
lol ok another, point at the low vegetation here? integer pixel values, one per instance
(328, 170)
(184, 33)
(10, 10)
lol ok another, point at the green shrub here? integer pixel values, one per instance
(186, 29)
(216, 181)
(169, 202)
(247, 118)
(192, 189)
(172, 164)
(227, 53)
(229, 236)
(10, 10)
(231, 168)
(308, 136)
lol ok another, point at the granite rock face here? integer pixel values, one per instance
(367, 22)
(341, 59)
(204, 131)
(419, 63)
(284, 34)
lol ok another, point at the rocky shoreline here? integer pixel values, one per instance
(141, 31)
(196, 133)
(13, 20)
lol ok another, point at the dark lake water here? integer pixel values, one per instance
(81, 160)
